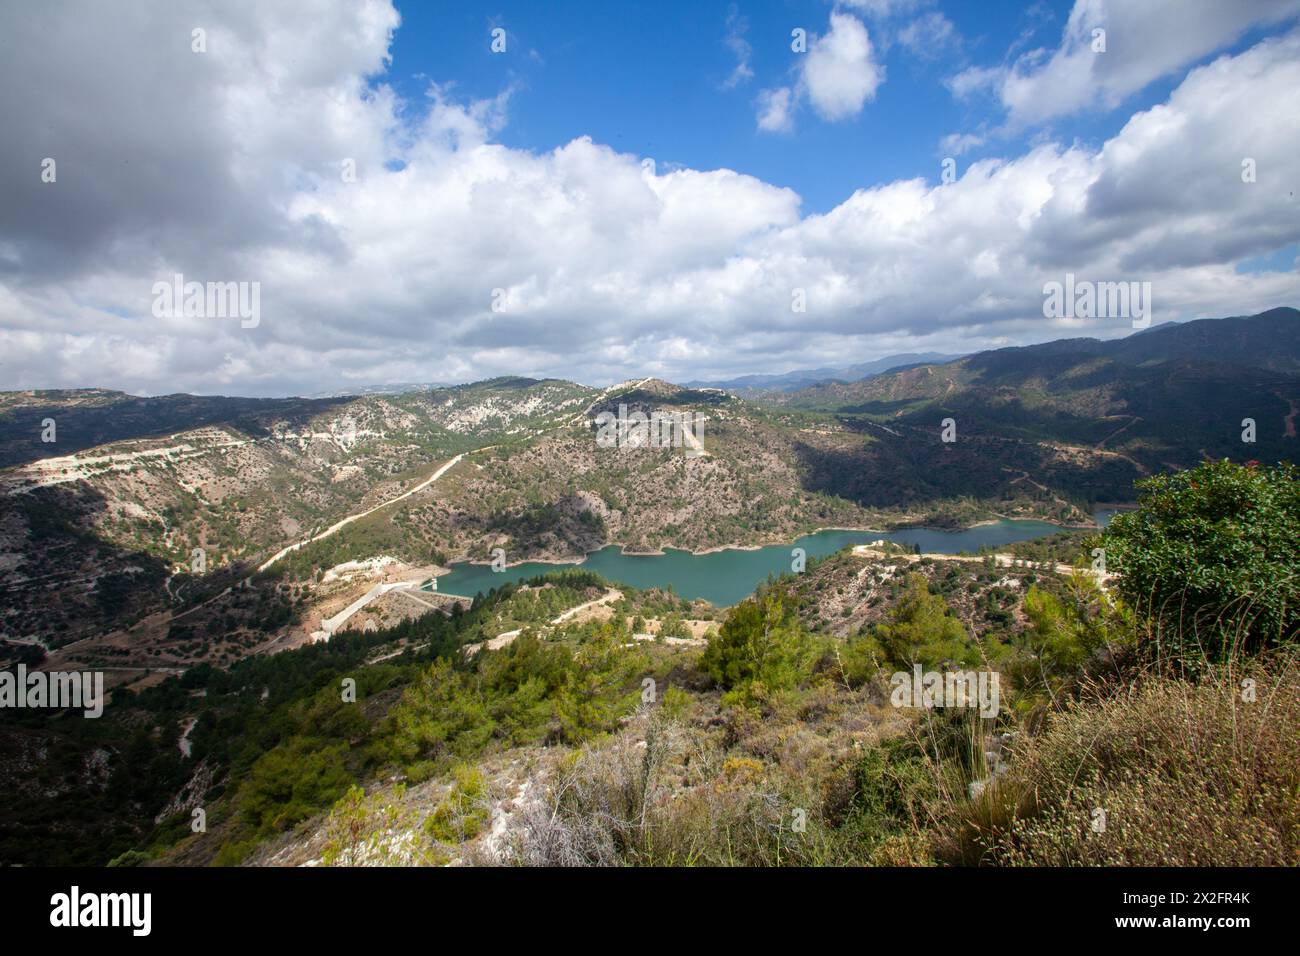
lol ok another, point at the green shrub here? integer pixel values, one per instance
(760, 643)
(921, 630)
(464, 812)
(1211, 558)
(1062, 636)
(292, 782)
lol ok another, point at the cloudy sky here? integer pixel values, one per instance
(623, 190)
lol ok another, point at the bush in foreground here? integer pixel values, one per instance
(1211, 559)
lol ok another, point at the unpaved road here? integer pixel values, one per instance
(442, 470)
(340, 525)
(1001, 560)
(504, 640)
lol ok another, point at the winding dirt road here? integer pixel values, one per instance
(999, 560)
(504, 640)
(438, 473)
(340, 525)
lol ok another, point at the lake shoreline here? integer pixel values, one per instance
(662, 552)
(724, 576)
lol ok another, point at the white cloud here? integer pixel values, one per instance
(1143, 42)
(955, 144)
(929, 36)
(837, 75)
(973, 79)
(227, 168)
(839, 72)
(776, 110)
(737, 26)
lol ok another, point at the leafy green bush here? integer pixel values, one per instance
(441, 717)
(1062, 636)
(517, 695)
(1211, 558)
(601, 685)
(760, 643)
(673, 626)
(921, 630)
(291, 783)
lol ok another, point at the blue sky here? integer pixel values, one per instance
(499, 219)
(651, 79)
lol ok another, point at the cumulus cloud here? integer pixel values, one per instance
(1143, 42)
(837, 75)
(226, 166)
(840, 73)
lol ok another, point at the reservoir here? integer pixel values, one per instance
(725, 577)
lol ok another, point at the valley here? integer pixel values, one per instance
(449, 477)
(500, 587)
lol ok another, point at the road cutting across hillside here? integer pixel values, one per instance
(438, 473)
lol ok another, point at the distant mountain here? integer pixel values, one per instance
(1269, 340)
(89, 417)
(391, 388)
(1165, 398)
(803, 378)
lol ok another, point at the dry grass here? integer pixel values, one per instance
(1154, 771)
(739, 790)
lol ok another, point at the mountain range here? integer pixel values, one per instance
(803, 378)
(1042, 431)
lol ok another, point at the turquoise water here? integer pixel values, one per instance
(1103, 515)
(726, 577)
